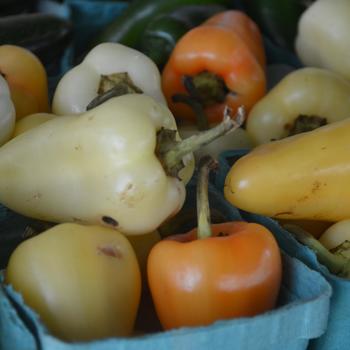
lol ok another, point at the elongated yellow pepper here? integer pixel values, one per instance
(306, 176)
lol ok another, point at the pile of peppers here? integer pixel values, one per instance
(113, 152)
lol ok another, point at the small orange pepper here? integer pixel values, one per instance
(27, 80)
(232, 270)
(219, 63)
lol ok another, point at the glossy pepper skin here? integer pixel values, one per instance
(278, 19)
(322, 39)
(94, 76)
(99, 167)
(7, 112)
(196, 282)
(303, 100)
(127, 29)
(27, 80)
(305, 176)
(213, 272)
(162, 32)
(84, 281)
(228, 45)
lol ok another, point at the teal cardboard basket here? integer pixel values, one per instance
(301, 313)
(337, 335)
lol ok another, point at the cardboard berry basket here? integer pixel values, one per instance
(300, 315)
(336, 336)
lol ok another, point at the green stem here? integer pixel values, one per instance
(172, 156)
(336, 264)
(206, 163)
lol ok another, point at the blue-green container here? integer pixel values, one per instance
(337, 334)
(301, 313)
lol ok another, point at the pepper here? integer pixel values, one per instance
(106, 68)
(31, 121)
(218, 63)
(322, 39)
(231, 270)
(120, 164)
(277, 19)
(305, 176)
(163, 32)
(335, 235)
(337, 260)
(27, 80)
(83, 281)
(303, 100)
(128, 28)
(7, 112)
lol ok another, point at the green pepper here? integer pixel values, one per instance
(277, 19)
(163, 32)
(128, 28)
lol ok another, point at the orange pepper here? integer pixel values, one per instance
(229, 46)
(27, 80)
(234, 271)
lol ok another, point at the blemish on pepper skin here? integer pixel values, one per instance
(110, 221)
(303, 199)
(284, 213)
(315, 186)
(37, 195)
(78, 147)
(111, 251)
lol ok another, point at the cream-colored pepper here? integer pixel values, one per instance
(99, 168)
(323, 36)
(82, 84)
(7, 112)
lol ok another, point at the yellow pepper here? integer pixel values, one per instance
(27, 80)
(303, 100)
(306, 176)
(83, 281)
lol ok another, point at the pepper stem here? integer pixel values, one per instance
(305, 123)
(206, 163)
(113, 85)
(204, 89)
(336, 264)
(172, 156)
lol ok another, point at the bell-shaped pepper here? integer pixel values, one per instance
(218, 63)
(323, 36)
(303, 100)
(119, 164)
(83, 281)
(7, 112)
(27, 80)
(214, 272)
(305, 176)
(106, 66)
